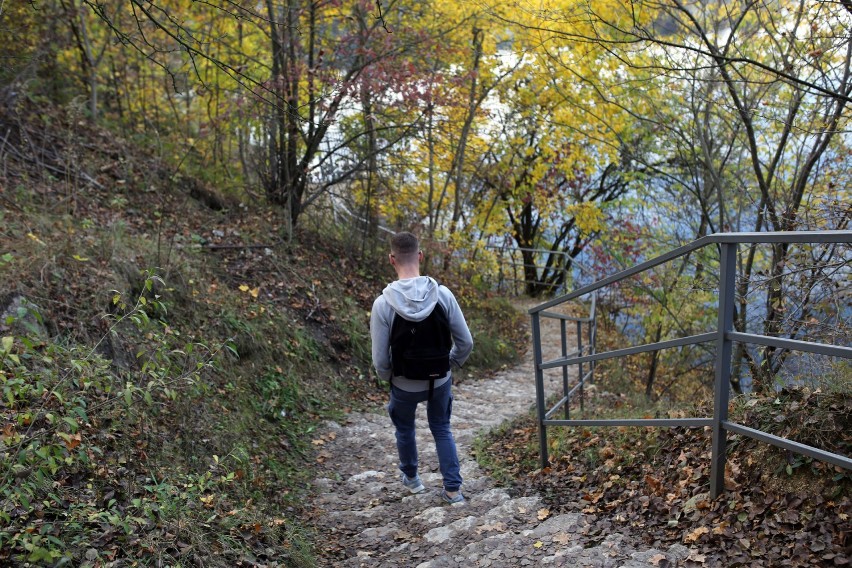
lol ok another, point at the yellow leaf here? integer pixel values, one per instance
(80, 258)
(543, 514)
(244, 288)
(538, 544)
(254, 292)
(36, 239)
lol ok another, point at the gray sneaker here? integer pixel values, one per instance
(414, 484)
(459, 498)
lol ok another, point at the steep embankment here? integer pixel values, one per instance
(165, 356)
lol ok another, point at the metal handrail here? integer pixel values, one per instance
(521, 266)
(724, 336)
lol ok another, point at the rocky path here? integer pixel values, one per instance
(366, 518)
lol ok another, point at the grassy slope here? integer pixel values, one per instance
(160, 397)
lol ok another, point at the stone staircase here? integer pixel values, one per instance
(369, 519)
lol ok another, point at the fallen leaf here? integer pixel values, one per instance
(36, 239)
(656, 559)
(543, 514)
(653, 483)
(73, 441)
(720, 528)
(538, 544)
(696, 534)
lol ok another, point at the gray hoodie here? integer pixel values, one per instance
(414, 299)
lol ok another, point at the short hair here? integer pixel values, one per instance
(404, 244)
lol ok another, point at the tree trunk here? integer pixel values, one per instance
(473, 104)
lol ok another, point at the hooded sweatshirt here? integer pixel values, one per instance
(414, 299)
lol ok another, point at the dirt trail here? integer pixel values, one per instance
(368, 519)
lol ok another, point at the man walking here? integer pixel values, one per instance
(418, 364)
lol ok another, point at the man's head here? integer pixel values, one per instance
(405, 251)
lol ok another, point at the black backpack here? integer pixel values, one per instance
(420, 350)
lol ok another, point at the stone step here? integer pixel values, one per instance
(364, 507)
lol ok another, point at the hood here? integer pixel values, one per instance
(412, 298)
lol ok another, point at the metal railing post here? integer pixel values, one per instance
(564, 330)
(722, 387)
(593, 332)
(580, 375)
(539, 389)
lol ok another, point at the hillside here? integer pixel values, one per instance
(166, 355)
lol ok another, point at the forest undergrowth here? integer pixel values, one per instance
(167, 355)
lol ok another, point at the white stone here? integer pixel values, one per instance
(366, 475)
(443, 534)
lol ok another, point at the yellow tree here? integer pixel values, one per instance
(558, 155)
(758, 93)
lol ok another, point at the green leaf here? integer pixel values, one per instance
(6, 344)
(81, 412)
(38, 553)
(71, 422)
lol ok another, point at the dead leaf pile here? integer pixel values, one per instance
(655, 483)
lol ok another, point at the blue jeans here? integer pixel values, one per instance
(439, 408)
